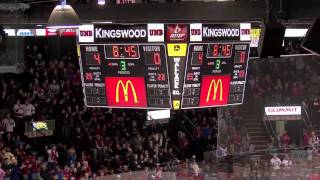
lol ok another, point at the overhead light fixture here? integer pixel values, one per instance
(101, 2)
(63, 16)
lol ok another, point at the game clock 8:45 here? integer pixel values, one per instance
(219, 50)
(120, 51)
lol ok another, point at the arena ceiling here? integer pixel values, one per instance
(38, 11)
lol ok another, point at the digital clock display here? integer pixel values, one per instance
(219, 50)
(122, 52)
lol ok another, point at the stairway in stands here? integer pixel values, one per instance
(252, 115)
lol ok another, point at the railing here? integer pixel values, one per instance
(309, 120)
(190, 134)
(268, 126)
(190, 122)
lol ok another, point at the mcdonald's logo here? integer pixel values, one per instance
(125, 92)
(216, 85)
(214, 90)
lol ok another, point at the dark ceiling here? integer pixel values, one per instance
(241, 10)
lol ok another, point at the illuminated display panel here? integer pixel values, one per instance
(138, 80)
(218, 80)
(163, 66)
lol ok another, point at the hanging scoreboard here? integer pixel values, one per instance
(163, 66)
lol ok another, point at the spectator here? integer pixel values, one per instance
(306, 138)
(2, 173)
(314, 141)
(28, 110)
(18, 110)
(9, 126)
(52, 157)
(275, 162)
(286, 162)
(72, 156)
(285, 139)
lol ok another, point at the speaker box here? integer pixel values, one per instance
(271, 39)
(311, 42)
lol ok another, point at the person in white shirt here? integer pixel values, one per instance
(9, 124)
(195, 166)
(222, 152)
(18, 109)
(18, 113)
(28, 110)
(52, 157)
(275, 162)
(54, 87)
(286, 162)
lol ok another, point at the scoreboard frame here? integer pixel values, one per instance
(207, 40)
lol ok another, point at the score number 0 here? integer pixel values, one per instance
(152, 58)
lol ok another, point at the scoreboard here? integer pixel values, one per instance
(163, 66)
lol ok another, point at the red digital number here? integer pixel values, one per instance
(127, 49)
(241, 74)
(242, 56)
(131, 51)
(89, 76)
(200, 57)
(115, 51)
(216, 50)
(96, 57)
(226, 50)
(156, 59)
(161, 77)
(190, 76)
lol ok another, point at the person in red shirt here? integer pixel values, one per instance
(35, 168)
(237, 139)
(86, 168)
(67, 172)
(26, 167)
(285, 139)
(183, 142)
(306, 138)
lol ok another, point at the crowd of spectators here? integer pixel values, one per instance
(233, 136)
(287, 81)
(88, 142)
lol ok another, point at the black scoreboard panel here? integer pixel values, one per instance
(163, 66)
(215, 74)
(120, 69)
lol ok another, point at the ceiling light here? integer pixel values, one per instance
(63, 16)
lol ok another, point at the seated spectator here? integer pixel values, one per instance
(275, 162)
(287, 162)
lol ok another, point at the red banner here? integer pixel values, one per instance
(214, 90)
(126, 91)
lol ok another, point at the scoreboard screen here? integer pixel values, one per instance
(163, 66)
